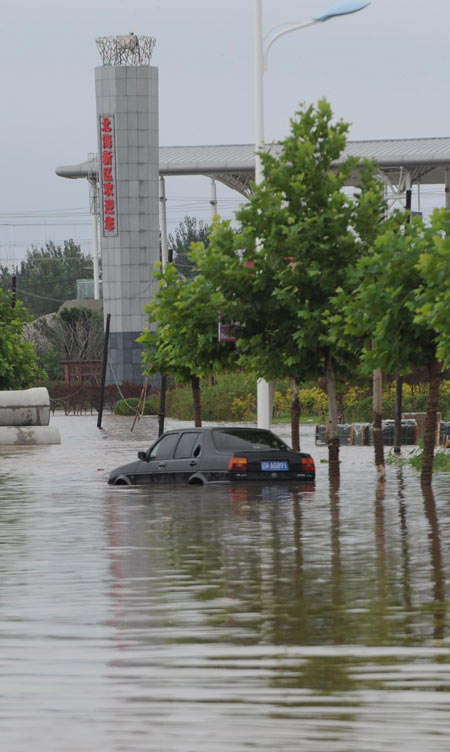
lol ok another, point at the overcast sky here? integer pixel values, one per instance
(384, 69)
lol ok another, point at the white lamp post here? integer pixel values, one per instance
(262, 47)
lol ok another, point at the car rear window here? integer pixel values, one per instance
(246, 439)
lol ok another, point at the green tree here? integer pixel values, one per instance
(244, 285)
(189, 231)
(73, 334)
(18, 363)
(185, 342)
(47, 277)
(433, 303)
(431, 311)
(5, 279)
(301, 235)
(383, 307)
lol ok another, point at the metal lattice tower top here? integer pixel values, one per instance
(126, 50)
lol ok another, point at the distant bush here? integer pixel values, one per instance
(233, 397)
(313, 400)
(129, 406)
(217, 399)
(244, 409)
(361, 411)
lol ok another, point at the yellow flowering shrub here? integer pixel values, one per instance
(313, 400)
(245, 408)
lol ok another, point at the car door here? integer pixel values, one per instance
(186, 457)
(155, 468)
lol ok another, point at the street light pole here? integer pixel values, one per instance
(262, 46)
(263, 388)
(259, 91)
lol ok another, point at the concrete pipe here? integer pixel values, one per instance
(27, 407)
(29, 435)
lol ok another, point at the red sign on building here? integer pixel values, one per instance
(108, 175)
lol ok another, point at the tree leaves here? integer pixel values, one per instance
(189, 231)
(185, 341)
(48, 276)
(18, 365)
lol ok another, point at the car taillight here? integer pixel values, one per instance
(308, 465)
(238, 464)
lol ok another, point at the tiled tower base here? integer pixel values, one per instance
(125, 357)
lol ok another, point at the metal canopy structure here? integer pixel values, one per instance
(128, 49)
(420, 160)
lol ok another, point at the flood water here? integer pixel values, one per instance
(213, 619)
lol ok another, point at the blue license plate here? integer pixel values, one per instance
(274, 465)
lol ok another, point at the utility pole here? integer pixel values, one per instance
(105, 361)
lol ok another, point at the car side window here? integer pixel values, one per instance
(187, 446)
(163, 450)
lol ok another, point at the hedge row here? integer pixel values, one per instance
(232, 397)
(85, 398)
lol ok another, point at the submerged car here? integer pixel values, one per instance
(216, 455)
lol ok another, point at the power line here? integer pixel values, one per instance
(34, 243)
(25, 293)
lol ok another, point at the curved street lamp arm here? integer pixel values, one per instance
(272, 36)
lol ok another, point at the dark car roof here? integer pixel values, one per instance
(218, 428)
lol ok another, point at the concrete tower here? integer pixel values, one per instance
(126, 89)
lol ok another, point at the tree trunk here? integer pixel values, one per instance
(429, 434)
(295, 417)
(378, 443)
(439, 606)
(398, 415)
(195, 384)
(162, 404)
(332, 433)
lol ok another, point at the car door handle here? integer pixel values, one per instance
(162, 464)
(193, 462)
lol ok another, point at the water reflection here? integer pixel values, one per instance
(336, 567)
(285, 576)
(381, 575)
(219, 618)
(439, 605)
(404, 538)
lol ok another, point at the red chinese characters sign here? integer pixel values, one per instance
(108, 178)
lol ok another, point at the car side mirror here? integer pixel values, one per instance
(142, 456)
